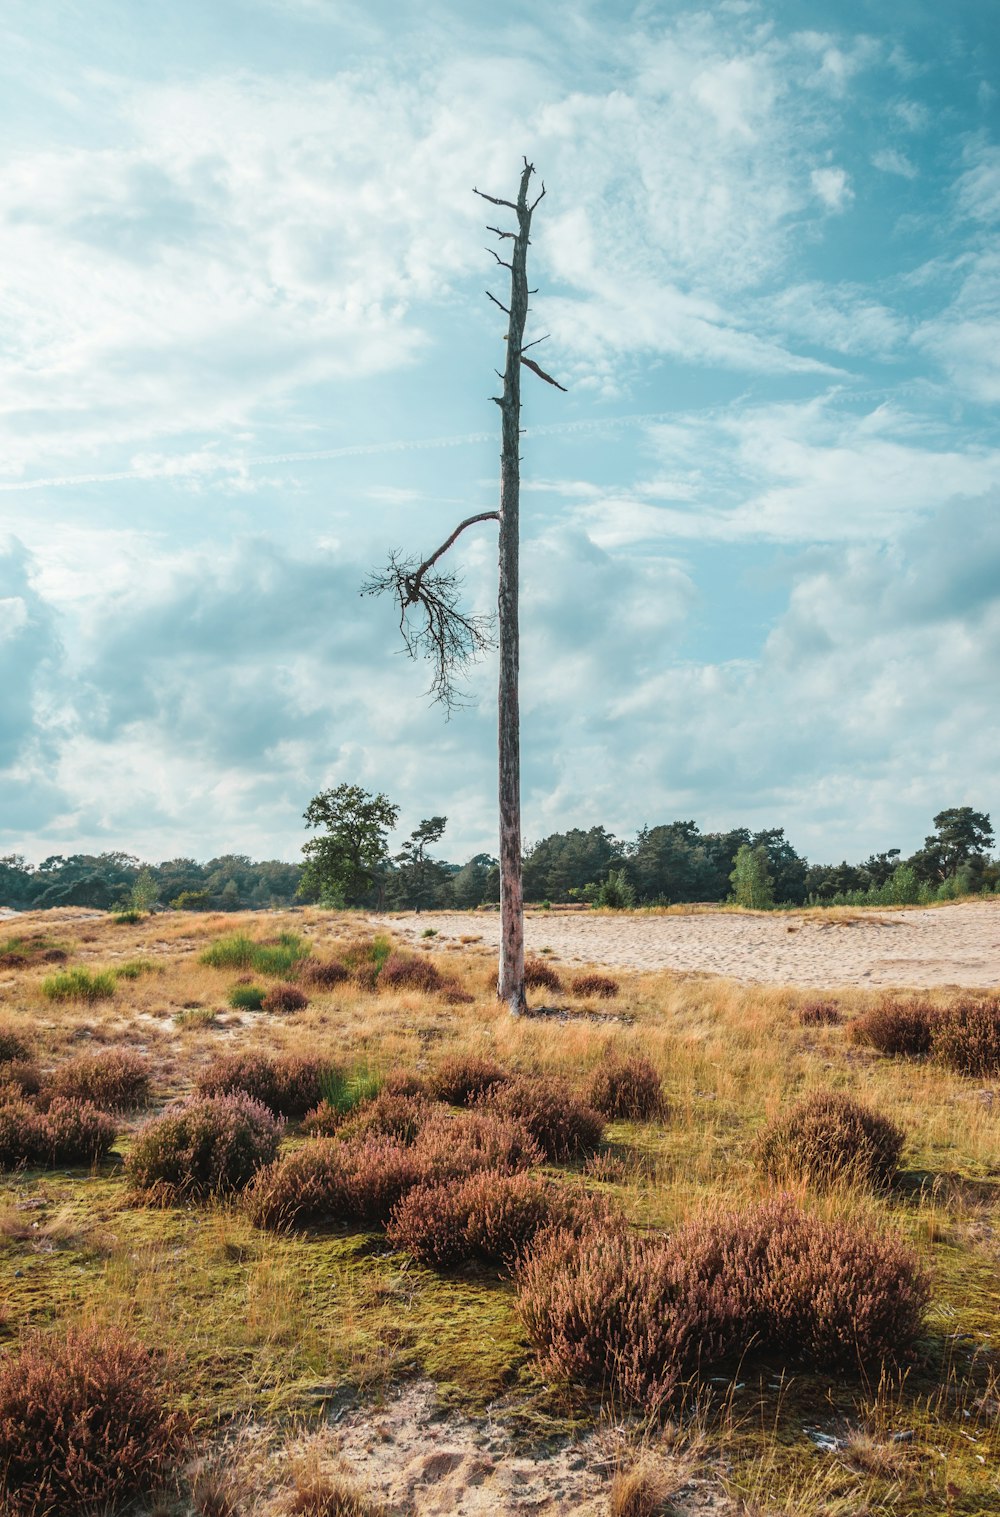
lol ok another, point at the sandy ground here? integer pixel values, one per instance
(946, 945)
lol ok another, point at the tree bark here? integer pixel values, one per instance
(510, 987)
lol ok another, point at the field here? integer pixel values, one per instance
(321, 1369)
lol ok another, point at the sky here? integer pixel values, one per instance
(245, 351)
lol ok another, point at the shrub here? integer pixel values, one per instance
(967, 1037)
(79, 985)
(600, 985)
(246, 997)
(389, 1116)
(329, 1181)
(83, 1422)
(462, 1079)
(75, 1132)
(114, 1079)
(13, 1048)
(18, 952)
(70, 1132)
(127, 916)
(287, 1084)
(406, 971)
(20, 1076)
(488, 1216)
(562, 1126)
(820, 1014)
(284, 997)
(324, 973)
(642, 1315)
(364, 959)
(452, 1145)
(205, 1145)
(134, 969)
(403, 1082)
(828, 1137)
(627, 1089)
(896, 1027)
(540, 976)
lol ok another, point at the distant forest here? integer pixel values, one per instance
(663, 865)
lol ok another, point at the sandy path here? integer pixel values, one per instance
(949, 945)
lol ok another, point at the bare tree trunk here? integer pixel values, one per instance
(511, 979)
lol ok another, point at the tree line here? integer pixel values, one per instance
(348, 862)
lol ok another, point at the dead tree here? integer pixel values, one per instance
(428, 597)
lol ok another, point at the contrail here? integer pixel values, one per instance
(206, 465)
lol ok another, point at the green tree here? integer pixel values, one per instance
(470, 886)
(418, 876)
(347, 861)
(752, 885)
(961, 837)
(145, 891)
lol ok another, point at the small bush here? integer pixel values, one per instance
(21, 1077)
(462, 1079)
(207, 1145)
(289, 1085)
(70, 1132)
(13, 1048)
(364, 959)
(83, 1423)
(540, 976)
(967, 1037)
(828, 1137)
(114, 1079)
(820, 1014)
(562, 1125)
(903, 1028)
(246, 997)
(388, 1116)
(403, 1082)
(452, 1145)
(284, 997)
(19, 952)
(628, 1090)
(324, 973)
(406, 971)
(127, 916)
(640, 1316)
(600, 985)
(488, 1216)
(79, 985)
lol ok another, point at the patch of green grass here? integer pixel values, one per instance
(345, 1089)
(127, 916)
(134, 969)
(80, 985)
(247, 997)
(429, 932)
(239, 951)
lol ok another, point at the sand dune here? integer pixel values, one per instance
(947, 945)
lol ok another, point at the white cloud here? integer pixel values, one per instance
(891, 161)
(833, 187)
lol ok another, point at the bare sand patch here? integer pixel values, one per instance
(917, 949)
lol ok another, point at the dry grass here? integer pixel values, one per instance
(261, 1320)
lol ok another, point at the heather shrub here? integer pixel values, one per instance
(896, 1027)
(287, 1084)
(967, 1037)
(407, 971)
(628, 1090)
(488, 1216)
(455, 1144)
(614, 1310)
(561, 1124)
(829, 1137)
(820, 1014)
(463, 1078)
(20, 951)
(83, 1423)
(329, 1181)
(114, 1079)
(600, 985)
(13, 1048)
(285, 997)
(79, 985)
(324, 973)
(540, 976)
(389, 1116)
(20, 1077)
(205, 1145)
(403, 1082)
(640, 1316)
(364, 959)
(70, 1132)
(323, 1121)
(246, 997)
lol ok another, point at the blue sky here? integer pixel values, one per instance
(246, 351)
